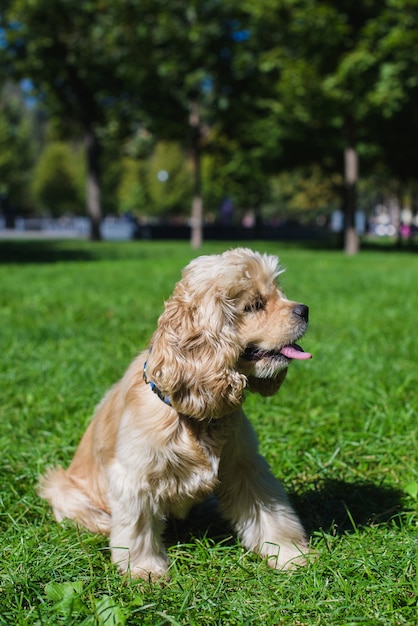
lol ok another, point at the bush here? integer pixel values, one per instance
(58, 179)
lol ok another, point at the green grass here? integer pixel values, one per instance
(341, 434)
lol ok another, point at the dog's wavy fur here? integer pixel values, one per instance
(141, 459)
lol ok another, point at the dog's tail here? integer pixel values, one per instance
(68, 500)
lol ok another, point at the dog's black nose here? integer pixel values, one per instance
(301, 310)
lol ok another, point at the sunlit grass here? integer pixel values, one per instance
(341, 434)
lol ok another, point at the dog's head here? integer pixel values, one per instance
(227, 326)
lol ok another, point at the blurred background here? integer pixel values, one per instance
(218, 119)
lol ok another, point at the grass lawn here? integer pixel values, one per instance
(341, 435)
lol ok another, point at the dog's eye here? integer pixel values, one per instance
(255, 305)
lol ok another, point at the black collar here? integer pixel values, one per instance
(154, 387)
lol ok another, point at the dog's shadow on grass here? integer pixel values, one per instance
(335, 506)
(339, 507)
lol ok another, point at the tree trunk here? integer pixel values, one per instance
(351, 238)
(196, 235)
(94, 205)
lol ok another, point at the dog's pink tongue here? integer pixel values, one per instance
(295, 352)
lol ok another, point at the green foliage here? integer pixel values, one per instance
(304, 193)
(341, 434)
(160, 185)
(63, 48)
(17, 147)
(169, 180)
(278, 84)
(68, 603)
(132, 196)
(230, 172)
(394, 38)
(58, 180)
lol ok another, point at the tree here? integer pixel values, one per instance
(63, 48)
(17, 150)
(257, 86)
(314, 53)
(204, 85)
(96, 64)
(393, 41)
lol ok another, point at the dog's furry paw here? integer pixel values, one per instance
(151, 570)
(286, 556)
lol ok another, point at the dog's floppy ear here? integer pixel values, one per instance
(194, 352)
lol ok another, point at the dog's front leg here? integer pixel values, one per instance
(136, 545)
(254, 501)
(136, 532)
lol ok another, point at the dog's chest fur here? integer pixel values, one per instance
(186, 471)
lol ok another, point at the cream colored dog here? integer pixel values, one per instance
(172, 430)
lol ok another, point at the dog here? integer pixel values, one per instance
(172, 431)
